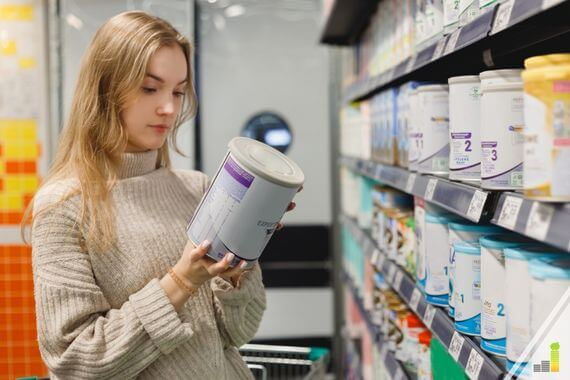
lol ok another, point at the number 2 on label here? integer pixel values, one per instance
(501, 311)
(468, 146)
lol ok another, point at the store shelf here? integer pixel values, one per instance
(464, 349)
(499, 38)
(464, 200)
(347, 20)
(547, 222)
(392, 365)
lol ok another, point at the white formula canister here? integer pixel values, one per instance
(464, 127)
(462, 232)
(504, 76)
(493, 313)
(468, 287)
(245, 201)
(550, 279)
(518, 299)
(437, 252)
(413, 131)
(404, 115)
(433, 101)
(501, 136)
(450, 16)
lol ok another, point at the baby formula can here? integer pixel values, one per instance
(468, 287)
(450, 16)
(245, 201)
(434, 129)
(518, 299)
(404, 115)
(493, 313)
(437, 253)
(547, 127)
(550, 280)
(501, 136)
(414, 133)
(463, 232)
(504, 76)
(464, 126)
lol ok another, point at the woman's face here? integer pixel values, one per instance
(150, 117)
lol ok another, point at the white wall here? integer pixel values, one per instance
(269, 59)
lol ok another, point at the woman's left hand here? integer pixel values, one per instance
(291, 207)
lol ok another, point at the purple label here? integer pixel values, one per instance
(488, 144)
(238, 173)
(460, 135)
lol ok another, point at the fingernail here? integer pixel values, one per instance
(243, 265)
(205, 244)
(230, 257)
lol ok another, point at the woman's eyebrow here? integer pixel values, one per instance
(156, 77)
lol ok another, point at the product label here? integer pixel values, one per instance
(493, 313)
(434, 143)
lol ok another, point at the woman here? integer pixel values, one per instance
(120, 292)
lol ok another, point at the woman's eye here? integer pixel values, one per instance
(148, 90)
(179, 94)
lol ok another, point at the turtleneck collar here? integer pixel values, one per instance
(138, 164)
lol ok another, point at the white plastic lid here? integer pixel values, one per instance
(464, 79)
(266, 162)
(505, 75)
(433, 87)
(514, 86)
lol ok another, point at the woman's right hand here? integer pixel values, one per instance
(196, 268)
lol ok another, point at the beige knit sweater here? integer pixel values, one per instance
(105, 315)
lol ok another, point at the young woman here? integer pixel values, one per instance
(120, 291)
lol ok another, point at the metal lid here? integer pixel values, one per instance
(266, 162)
(464, 79)
(467, 247)
(551, 268)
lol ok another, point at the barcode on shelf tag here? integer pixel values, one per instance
(451, 42)
(411, 182)
(429, 315)
(476, 205)
(455, 345)
(503, 16)
(474, 365)
(438, 52)
(415, 299)
(399, 374)
(430, 189)
(549, 3)
(374, 257)
(510, 212)
(381, 260)
(539, 219)
(398, 279)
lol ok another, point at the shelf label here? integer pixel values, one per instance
(510, 212)
(430, 189)
(411, 63)
(429, 315)
(476, 206)
(399, 374)
(398, 279)
(411, 182)
(415, 299)
(549, 3)
(474, 365)
(451, 42)
(455, 345)
(539, 219)
(381, 260)
(374, 257)
(438, 52)
(391, 273)
(503, 16)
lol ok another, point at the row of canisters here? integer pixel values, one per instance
(496, 285)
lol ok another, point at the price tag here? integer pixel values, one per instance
(474, 364)
(429, 315)
(411, 182)
(438, 52)
(411, 64)
(549, 3)
(503, 16)
(374, 257)
(391, 273)
(451, 42)
(539, 219)
(399, 374)
(381, 260)
(430, 189)
(476, 206)
(415, 299)
(510, 212)
(398, 279)
(455, 345)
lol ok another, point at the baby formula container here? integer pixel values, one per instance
(437, 253)
(464, 126)
(550, 280)
(493, 313)
(501, 133)
(434, 129)
(414, 132)
(518, 299)
(245, 201)
(547, 127)
(450, 16)
(463, 232)
(468, 287)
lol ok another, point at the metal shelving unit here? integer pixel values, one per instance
(465, 350)
(347, 20)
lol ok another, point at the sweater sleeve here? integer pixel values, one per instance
(239, 309)
(79, 334)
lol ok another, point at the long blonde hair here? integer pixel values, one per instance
(94, 138)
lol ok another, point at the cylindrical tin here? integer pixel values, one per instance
(414, 131)
(468, 288)
(464, 128)
(245, 201)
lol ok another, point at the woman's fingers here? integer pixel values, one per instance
(200, 251)
(232, 272)
(221, 266)
(300, 189)
(279, 226)
(291, 206)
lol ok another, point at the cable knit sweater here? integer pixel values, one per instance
(105, 315)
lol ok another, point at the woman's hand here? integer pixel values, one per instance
(196, 268)
(291, 207)
(233, 275)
